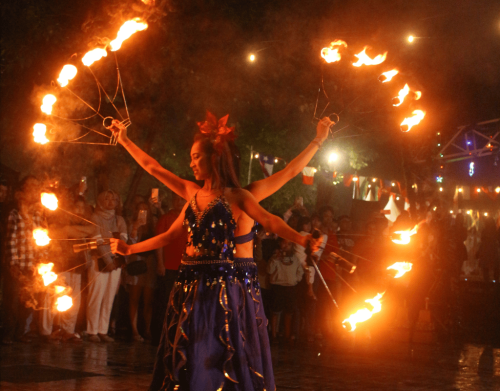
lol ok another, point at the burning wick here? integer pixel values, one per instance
(401, 96)
(41, 237)
(331, 54)
(93, 56)
(410, 122)
(387, 76)
(67, 73)
(48, 101)
(39, 131)
(405, 236)
(49, 200)
(363, 314)
(48, 276)
(128, 28)
(64, 303)
(401, 268)
(364, 59)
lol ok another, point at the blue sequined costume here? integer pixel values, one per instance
(214, 335)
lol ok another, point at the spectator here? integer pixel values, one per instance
(297, 208)
(488, 251)
(104, 272)
(262, 270)
(285, 272)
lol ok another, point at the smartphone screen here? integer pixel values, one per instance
(154, 193)
(143, 215)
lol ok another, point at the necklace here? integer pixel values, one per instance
(208, 195)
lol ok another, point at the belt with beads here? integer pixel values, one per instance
(193, 262)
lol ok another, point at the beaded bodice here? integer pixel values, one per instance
(211, 232)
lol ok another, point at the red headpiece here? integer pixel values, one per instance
(217, 130)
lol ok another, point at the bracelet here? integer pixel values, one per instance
(317, 142)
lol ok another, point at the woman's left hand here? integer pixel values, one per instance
(119, 247)
(312, 243)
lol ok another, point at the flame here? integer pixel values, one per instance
(41, 237)
(408, 123)
(48, 101)
(405, 235)
(401, 95)
(67, 73)
(387, 76)
(39, 131)
(418, 95)
(48, 276)
(93, 56)
(64, 303)
(59, 289)
(49, 200)
(128, 28)
(331, 54)
(364, 314)
(364, 59)
(401, 268)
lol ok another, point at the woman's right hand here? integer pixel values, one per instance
(120, 131)
(323, 128)
(118, 246)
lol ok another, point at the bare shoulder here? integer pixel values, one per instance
(236, 194)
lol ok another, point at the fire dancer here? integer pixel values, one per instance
(210, 290)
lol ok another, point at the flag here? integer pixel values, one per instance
(369, 195)
(407, 204)
(308, 175)
(267, 164)
(392, 208)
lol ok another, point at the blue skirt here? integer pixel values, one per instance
(215, 331)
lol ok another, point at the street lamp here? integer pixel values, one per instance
(333, 157)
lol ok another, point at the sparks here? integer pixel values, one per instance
(410, 122)
(64, 303)
(331, 54)
(47, 103)
(401, 96)
(129, 28)
(67, 73)
(401, 268)
(364, 59)
(49, 200)
(41, 237)
(387, 76)
(364, 314)
(39, 131)
(93, 56)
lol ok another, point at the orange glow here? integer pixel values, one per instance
(128, 28)
(49, 200)
(67, 73)
(64, 303)
(41, 237)
(364, 314)
(401, 268)
(364, 59)
(48, 276)
(93, 56)
(39, 131)
(401, 96)
(418, 95)
(331, 54)
(59, 289)
(405, 236)
(48, 101)
(410, 122)
(387, 76)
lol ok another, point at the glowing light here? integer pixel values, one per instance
(331, 54)
(315, 170)
(41, 237)
(410, 122)
(439, 179)
(401, 96)
(128, 28)
(48, 276)
(39, 131)
(333, 157)
(364, 59)
(478, 190)
(256, 156)
(276, 160)
(471, 168)
(469, 212)
(374, 180)
(364, 314)
(401, 268)
(440, 189)
(49, 200)
(411, 38)
(486, 214)
(460, 190)
(47, 103)
(64, 303)
(59, 289)
(405, 236)
(93, 56)
(67, 73)
(418, 95)
(387, 76)
(497, 190)
(252, 57)
(451, 212)
(355, 178)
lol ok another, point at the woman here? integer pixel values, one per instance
(214, 335)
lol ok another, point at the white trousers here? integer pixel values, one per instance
(67, 318)
(102, 291)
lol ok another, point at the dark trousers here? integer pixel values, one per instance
(164, 287)
(15, 311)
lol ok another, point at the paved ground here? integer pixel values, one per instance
(390, 366)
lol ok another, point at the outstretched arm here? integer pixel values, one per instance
(181, 187)
(268, 186)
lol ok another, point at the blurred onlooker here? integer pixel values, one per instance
(262, 270)
(488, 250)
(297, 209)
(285, 272)
(21, 255)
(459, 239)
(105, 270)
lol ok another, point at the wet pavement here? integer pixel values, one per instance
(345, 366)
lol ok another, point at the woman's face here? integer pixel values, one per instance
(79, 208)
(306, 227)
(110, 201)
(316, 223)
(200, 162)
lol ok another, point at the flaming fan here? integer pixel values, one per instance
(51, 102)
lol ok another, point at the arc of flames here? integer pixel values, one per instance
(41, 237)
(129, 28)
(67, 73)
(64, 303)
(331, 54)
(364, 59)
(401, 268)
(47, 103)
(410, 122)
(49, 200)
(405, 235)
(39, 131)
(93, 56)
(48, 276)
(401, 96)
(364, 314)
(387, 76)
